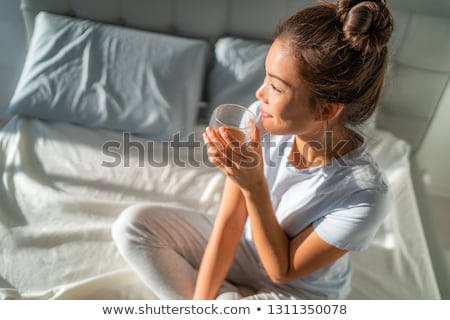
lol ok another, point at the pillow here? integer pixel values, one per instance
(112, 77)
(237, 72)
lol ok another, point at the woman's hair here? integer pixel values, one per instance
(342, 52)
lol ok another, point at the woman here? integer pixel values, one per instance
(285, 226)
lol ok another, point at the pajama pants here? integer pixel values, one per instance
(164, 246)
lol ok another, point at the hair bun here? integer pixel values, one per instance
(366, 25)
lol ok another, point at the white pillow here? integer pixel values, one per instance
(112, 77)
(237, 72)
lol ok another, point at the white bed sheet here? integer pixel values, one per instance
(57, 204)
(398, 263)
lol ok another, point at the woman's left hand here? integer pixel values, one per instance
(243, 163)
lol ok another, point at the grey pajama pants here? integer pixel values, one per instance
(164, 245)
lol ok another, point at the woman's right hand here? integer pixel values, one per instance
(242, 163)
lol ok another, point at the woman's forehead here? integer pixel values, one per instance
(282, 62)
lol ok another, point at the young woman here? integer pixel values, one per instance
(287, 222)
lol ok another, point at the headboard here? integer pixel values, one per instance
(420, 48)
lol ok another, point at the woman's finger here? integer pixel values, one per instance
(219, 147)
(214, 149)
(256, 135)
(233, 148)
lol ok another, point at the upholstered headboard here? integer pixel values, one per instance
(420, 49)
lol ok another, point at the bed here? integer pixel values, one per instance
(106, 82)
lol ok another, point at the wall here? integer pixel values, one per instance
(434, 155)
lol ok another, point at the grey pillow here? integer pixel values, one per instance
(111, 77)
(237, 72)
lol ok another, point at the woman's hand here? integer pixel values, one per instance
(243, 163)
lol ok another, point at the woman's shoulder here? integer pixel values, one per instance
(358, 170)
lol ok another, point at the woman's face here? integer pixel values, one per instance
(285, 97)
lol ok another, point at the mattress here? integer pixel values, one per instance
(63, 186)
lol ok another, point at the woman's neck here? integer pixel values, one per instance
(323, 148)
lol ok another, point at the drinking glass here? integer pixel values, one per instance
(238, 120)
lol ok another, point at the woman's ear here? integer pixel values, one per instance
(330, 111)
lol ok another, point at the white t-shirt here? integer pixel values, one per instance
(345, 201)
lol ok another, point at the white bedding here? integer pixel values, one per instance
(57, 203)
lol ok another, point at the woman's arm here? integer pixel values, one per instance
(285, 260)
(223, 242)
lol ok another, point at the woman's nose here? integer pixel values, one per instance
(260, 93)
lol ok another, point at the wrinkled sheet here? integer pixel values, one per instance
(60, 192)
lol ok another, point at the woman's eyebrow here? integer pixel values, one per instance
(280, 79)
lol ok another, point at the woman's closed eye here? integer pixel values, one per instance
(275, 88)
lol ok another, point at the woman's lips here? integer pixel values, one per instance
(265, 114)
